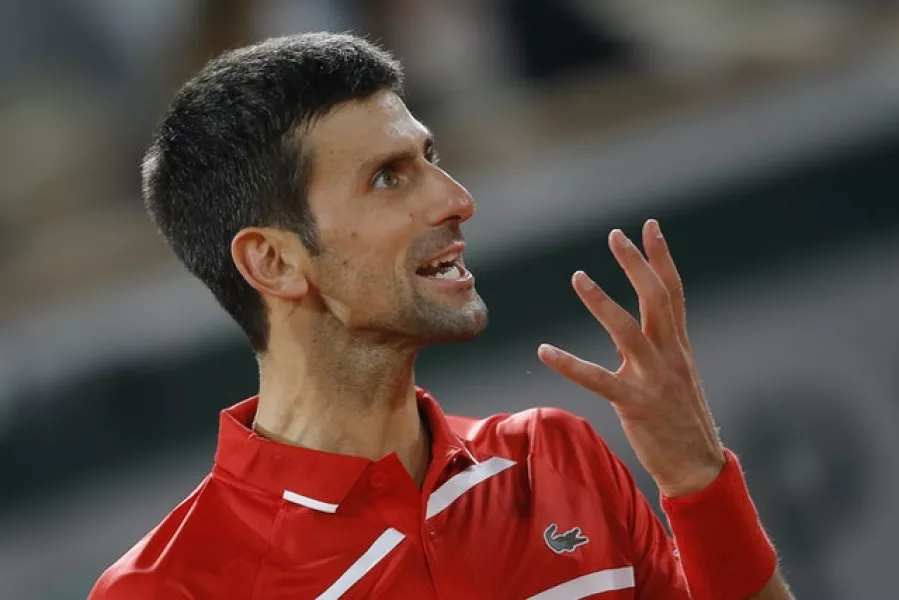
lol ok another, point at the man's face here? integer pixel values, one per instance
(389, 220)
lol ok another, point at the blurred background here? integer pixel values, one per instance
(763, 135)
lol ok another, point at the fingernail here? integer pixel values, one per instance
(583, 281)
(661, 237)
(617, 237)
(546, 351)
(655, 228)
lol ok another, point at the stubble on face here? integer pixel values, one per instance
(370, 249)
(389, 304)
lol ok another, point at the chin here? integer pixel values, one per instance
(458, 326)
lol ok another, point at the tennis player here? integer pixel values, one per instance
(291, 179)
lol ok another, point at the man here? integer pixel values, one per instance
(292, 180)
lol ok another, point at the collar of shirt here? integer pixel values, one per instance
(322, 480)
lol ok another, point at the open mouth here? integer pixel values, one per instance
(448, 266)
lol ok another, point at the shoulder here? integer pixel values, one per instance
(521, 423)
(122, 581)
(146, 570)
(553, 435)
(535, 425)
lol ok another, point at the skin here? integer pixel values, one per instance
(346, 326)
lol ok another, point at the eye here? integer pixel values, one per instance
(387, 179)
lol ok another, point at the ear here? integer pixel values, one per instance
(272, 261)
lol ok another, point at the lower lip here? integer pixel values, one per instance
(462, 283)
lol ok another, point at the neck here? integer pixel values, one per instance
(343, 395)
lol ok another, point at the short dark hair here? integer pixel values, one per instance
(229, 152)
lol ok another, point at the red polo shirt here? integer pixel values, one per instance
(528, 505)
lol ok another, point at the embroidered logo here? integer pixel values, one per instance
(564, 542)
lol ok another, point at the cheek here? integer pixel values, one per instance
(366, 277)
(372, 253)
(386, 257)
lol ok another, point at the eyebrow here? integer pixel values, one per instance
(398, 156)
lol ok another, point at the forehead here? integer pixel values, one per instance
(360, 129)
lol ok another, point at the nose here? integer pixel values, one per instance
(453, 203)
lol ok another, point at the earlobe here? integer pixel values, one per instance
(271, 262)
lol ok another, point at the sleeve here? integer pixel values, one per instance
(657, 570)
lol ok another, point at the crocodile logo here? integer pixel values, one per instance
(564, 542)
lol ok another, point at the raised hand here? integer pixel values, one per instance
(656, 391)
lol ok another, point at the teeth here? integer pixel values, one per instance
(444, 259)
(451, 273)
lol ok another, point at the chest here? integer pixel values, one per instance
(518, 535)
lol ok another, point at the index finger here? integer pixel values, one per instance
(620, 325)
(595, 378)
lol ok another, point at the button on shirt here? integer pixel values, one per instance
(527, 505)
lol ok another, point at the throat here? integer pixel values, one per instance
(338, 391)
